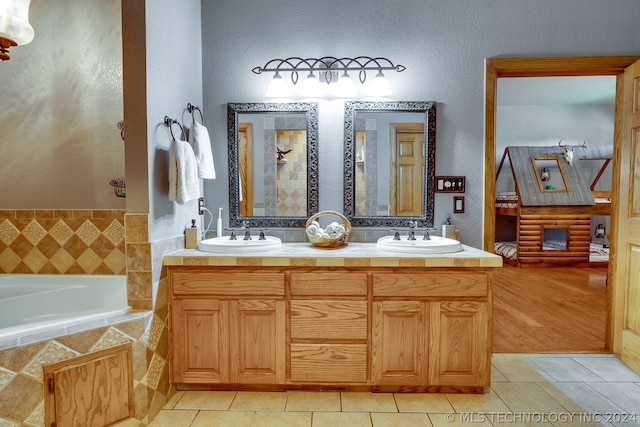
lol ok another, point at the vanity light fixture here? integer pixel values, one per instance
(545, 175)
(15, 29)
(332, 71)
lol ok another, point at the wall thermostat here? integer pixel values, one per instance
(450, 184)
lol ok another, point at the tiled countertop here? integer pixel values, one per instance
(352, 255)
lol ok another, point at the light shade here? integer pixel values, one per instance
(379, 86)
(312, 88)
(278, 88)
(14, 25)
(14, 21)
(345, 87)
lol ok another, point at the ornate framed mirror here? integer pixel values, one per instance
(273, 163)
(389, 163)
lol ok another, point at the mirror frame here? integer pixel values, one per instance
(310, 110)
(351, 108)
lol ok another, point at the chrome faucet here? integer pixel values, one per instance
(247, 230)
(412, 228)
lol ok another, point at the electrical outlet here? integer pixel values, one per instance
(201, 206)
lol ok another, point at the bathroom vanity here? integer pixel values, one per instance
(355, 318)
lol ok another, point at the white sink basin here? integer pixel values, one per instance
(437, 245)
(224, 244)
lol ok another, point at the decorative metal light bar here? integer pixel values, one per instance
(330, 69)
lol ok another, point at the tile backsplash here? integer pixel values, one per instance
(62, 242)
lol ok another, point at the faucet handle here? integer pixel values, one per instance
(262, 236)
(396, 235)
(233, 233)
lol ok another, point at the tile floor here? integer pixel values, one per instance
(526, 389)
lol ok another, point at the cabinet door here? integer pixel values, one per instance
(257, 341)
(199, 341)
(459, 346)
(399, 343)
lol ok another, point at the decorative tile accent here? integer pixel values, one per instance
(57, 241)
(34, 232)
(61, 232)
(8, 232)
(88, 232)
(154, 372)
(5, 377)
(153, 335)
(111, 337)
(115, 233)
(51, 353)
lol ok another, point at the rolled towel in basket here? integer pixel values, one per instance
(313, 229)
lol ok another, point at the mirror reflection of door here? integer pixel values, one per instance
(407, 169)
(245, 160)
(291, 179)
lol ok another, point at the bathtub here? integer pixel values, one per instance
(40, 306)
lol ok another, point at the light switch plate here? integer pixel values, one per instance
(450, 184)
(458, 204)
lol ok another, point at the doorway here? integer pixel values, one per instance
(533, 67)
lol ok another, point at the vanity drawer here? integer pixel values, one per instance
(430, 285)
(335, 363)
(228, 283)
(329, 283)
(328, 319)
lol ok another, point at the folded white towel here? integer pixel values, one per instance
(199, 137)
(183, 173)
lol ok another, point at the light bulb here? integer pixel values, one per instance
(278, 88)
(345, 87)
(379, 86)
(311, 87)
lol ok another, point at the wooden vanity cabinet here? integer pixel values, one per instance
(431, 329)
(329, 327)
(404, 329)
(228, 327)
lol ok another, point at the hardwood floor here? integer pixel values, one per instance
(554, 309)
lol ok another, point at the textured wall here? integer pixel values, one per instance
(61, 100)
(442, 44)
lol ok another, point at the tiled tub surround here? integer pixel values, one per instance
(62, 241)
(21, 388)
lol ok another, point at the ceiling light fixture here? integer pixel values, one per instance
(15, 29)
(327, 69)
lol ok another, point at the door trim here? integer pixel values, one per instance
(540, 67)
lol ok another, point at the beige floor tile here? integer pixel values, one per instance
(488, 402)
(173, 418)
(455, 420)
(561, 397)
(224, 419)
(496, 375)
(423, 402)
(368, 402)
(259, 401)
(389, 419)
(282, 419)
(318, 401)
(206, 400)
(517, 368)
(341, 419)
(527, 397)
(171, 403)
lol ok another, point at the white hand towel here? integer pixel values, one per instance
(183, 173)
(199, 137)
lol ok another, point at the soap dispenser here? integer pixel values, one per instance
(191, 236)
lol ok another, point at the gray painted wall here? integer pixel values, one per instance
(442, 44)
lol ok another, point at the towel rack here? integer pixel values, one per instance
(191, 108)
(169, 122)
